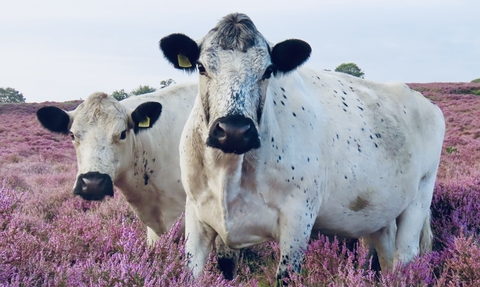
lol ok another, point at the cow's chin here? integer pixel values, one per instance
(93, 197)
(236, 149)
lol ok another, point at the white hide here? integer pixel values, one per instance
(144, 167)
(339, 155)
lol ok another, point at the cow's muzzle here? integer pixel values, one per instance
(93, 186)
(233, 134)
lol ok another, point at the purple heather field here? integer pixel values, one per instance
(48, 237)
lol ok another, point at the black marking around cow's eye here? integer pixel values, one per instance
(294, 114)
(282, 103)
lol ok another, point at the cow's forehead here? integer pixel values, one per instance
(100, 109)
(234, 32)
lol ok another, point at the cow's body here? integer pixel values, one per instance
(279, 158)
(143, 166)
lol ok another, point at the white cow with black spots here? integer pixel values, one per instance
(133, 145)
(272, 151)
(130, 146)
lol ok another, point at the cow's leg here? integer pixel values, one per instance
(295, 231)
(383, 241)
(413, 224)
(227, 259)
(152, 237)
(199, 243)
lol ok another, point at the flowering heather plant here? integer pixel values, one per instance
(51, 238)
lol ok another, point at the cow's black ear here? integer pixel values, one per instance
(181, 51)
(54, 119)
(290, 54)
(145, 115)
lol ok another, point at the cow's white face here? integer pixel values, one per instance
(233, 82)
(235, 62)
(102, 136)
(102, 132)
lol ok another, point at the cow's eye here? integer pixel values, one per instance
(123, 135)
(268, 73)
(201, 69)
(72, 136)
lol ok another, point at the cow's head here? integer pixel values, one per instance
(102, 132)
(235, 63)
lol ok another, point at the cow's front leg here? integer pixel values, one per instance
(200, 239)
(152, 237)
(227, 259)
(295, 231)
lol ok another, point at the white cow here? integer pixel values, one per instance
(277, 158)
(116, 145)
(130, 146)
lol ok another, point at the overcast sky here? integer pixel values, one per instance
(65, 50)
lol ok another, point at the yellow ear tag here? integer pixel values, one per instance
(145, 123)
(183, 61)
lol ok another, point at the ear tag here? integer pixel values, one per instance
(145, 123)
(183, 61)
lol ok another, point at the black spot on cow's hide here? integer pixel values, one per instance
(146, 178)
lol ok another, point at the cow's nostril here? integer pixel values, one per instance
(219, 131)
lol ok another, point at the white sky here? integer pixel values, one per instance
(65, 50)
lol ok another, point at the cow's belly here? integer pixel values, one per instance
(356, 212)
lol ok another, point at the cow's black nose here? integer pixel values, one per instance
(233, 134)
(93, 186)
